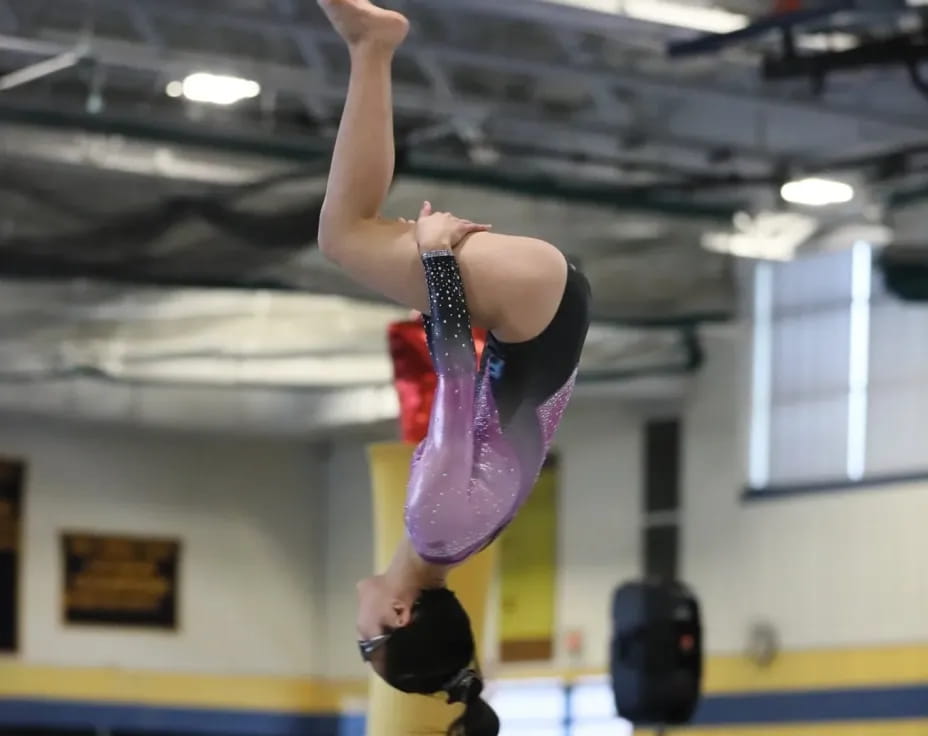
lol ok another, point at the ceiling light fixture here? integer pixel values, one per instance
(214, 89)
(815, 192)
(668, 13)
(694, 17)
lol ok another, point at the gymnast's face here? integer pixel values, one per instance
(380, 609)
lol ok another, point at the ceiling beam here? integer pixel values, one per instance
(709, 92)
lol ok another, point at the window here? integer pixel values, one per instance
(530, 707)
(660, 538)
(838, 364)
(530, 700)
(897, 406)
(554, 708)
(592, 710)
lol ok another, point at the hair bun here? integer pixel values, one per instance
(465, 687)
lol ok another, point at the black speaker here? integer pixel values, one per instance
(656, 653)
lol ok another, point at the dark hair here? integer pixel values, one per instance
(435, 653)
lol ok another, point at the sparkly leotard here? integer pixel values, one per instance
(490, 430)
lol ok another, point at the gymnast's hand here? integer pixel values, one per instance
(442, 230)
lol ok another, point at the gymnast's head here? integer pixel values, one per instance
(421, 642)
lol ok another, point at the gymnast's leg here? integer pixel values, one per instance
(378, 253)
(513, 284)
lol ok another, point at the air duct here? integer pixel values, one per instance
(905, 271)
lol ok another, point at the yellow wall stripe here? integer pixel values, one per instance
(824, 669)
(792, 671)
(294, 695)
(856, 728)
(821, 669)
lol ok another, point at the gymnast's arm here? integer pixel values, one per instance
(447, 452)
(450, 438)
(438, 502)
(458, 492)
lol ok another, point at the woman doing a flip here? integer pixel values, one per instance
(491, 429)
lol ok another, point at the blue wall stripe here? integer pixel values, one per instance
(861, 704)
(857, 704)
(352, 726)
(142, 719)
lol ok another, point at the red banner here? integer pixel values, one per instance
(788, 6)
(414, 375)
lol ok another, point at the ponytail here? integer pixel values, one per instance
(438, 644)
(479, 718)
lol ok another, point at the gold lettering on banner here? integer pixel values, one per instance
(120, 580)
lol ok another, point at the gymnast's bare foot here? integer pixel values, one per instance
(360, 22)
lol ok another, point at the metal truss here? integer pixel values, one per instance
(573, 100)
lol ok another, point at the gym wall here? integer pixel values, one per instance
(834, 573)
(831, 569)
(247, 514)
(274, 537)
(837, 574)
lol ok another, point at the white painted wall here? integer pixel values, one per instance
(349, 552)
(828, 570)
(246, 510)
(600, 447)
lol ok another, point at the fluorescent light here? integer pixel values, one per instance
(817, 192)
(830, 41)
(694, 17)
(668, 13)
(759, 463)
(215, 89)
(859, 376)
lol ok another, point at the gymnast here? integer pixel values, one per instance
(490, 429)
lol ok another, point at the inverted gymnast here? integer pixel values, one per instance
(490, 430)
